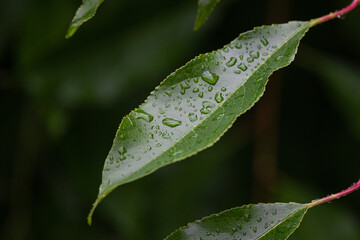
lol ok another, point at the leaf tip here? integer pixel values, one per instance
(71, 30)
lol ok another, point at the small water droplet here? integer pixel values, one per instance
(274, 212)
(264, 41)
(210, 77)
(184, 86)
(140, 114)
(170, 122)
(219, 97)
(223, 89)
(192, 117)
(201, 94)
(195, 90)
(242, 66)
(210, 88)
(238, 45)
(255, 229)
(231, 62)
(122, 150)
(278, 58)
(247, 217)
(207, 107)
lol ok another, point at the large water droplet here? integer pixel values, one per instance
(231, 62)
(207, 107)
(140, 114)
(219, 97)
(210, 77)
(170, 122)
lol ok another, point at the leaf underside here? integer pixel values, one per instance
(85, 12)
(194, 106)
(264, 221)
(205, 7)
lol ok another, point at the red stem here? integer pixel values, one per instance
(336, 14)
(331, 197)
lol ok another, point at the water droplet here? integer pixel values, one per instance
(264, 41)
(242, 66)
(238, 45)
(165, 135)
(158, 145)
(210, 88)
(201, 94)
(170, 122)
(219, 97)
(140, 114)
(274, 212)
(195, 90)
(255, 229)
(255, 55)
(278, 58)
(247, 217)
(192, 117)
(184, 86)
(259, 219)
(210, 77)
(207, 107)
(223, 89)
(231, 62)
(122, 150)
(218, 116)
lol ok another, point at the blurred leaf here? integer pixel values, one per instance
(264, 221)
(86, 11)
(205, 7)
(196, 104)
(341, 79)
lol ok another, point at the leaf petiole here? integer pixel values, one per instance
(336, 14)
(331, 197)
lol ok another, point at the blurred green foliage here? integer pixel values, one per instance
(61, 102)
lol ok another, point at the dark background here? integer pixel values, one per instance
(61, 102)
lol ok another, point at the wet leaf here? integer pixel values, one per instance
(86, 11)
(264, 221)
(205, 7)
(193, 107)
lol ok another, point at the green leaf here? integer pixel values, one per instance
(86, 11)
(205, 7)
(263, 221)
(194, 106)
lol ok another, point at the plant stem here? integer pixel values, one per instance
(336, 14)
(331, 197)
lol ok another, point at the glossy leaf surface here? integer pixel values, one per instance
(264, 221)
(86, 11)
(205, 7)
(195, 105)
